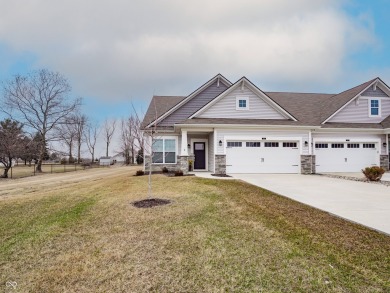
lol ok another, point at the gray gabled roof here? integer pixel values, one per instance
(310, 109)
(158, 106)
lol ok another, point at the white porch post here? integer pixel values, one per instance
(184, 148)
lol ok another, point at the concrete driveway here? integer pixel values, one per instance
(364, 203)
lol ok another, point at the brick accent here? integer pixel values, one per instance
(182, 164)
(384, 162)
(308, 164)
(220, 164)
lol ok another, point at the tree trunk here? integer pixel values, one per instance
(79, 152)
(107, 150)
(5, 174)
(93, 155)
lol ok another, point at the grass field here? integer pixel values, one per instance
(216, 236)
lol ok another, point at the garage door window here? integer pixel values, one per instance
(353, 145)
(271, 144)
(369, 145)
(289, 144)
(234, 144)
(253, 144)
(321, 145)
(337, 145)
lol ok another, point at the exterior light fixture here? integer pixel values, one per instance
(384, 144)
(306, 143)
(220, 143)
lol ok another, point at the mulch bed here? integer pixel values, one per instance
(149, 203)
(220, 175)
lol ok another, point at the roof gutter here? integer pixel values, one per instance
(244, 126)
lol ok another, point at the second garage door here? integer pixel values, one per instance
(345, 157)
(262, 157)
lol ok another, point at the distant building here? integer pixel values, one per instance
(106, 161)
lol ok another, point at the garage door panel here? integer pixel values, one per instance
(262, 159)
(345, 159)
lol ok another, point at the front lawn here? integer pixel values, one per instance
(216, 236)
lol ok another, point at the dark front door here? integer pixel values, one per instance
(200, 155)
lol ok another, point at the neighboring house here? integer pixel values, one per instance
(238, 128)
(106, 161)
(119, 158)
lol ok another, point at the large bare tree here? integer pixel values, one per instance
(91, 137)
(109, 130)
(41, 100)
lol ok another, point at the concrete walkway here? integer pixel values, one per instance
(363, 203)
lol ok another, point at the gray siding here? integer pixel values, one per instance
(194, 104)
(371, 93)
(226, 107)
(360, 113)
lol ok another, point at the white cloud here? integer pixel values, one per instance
(118, 49)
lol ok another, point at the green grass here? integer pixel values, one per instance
(216, 236)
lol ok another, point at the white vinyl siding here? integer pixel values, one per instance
(227, 107)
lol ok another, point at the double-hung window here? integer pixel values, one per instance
(374, 108)
(164, 151)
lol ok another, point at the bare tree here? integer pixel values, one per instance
(91, 136)
(11, 143)
(41, 101)
(109, 130)
(128, 138)
(67, 133)
(80, 121)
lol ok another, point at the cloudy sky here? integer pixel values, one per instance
(121, 51)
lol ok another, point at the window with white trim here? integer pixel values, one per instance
(321, 145)
(369, 145)
(234, 144)
(353, 145)
(164, 151)
(253, 144)
(271, 144)
(242, 103)
(374, 108)
(289, 144)
(337, 145)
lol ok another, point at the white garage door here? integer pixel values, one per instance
(262, 157)
(345, 157)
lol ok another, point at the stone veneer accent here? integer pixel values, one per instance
(308, 164)
(220, 164)
(384, 162)
(182, 164)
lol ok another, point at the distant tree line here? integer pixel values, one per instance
(41, 112)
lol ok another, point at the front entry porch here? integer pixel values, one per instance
(197, 147)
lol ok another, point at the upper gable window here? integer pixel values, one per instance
(375, 109)
(242, 103)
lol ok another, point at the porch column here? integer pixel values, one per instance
(184, 148)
